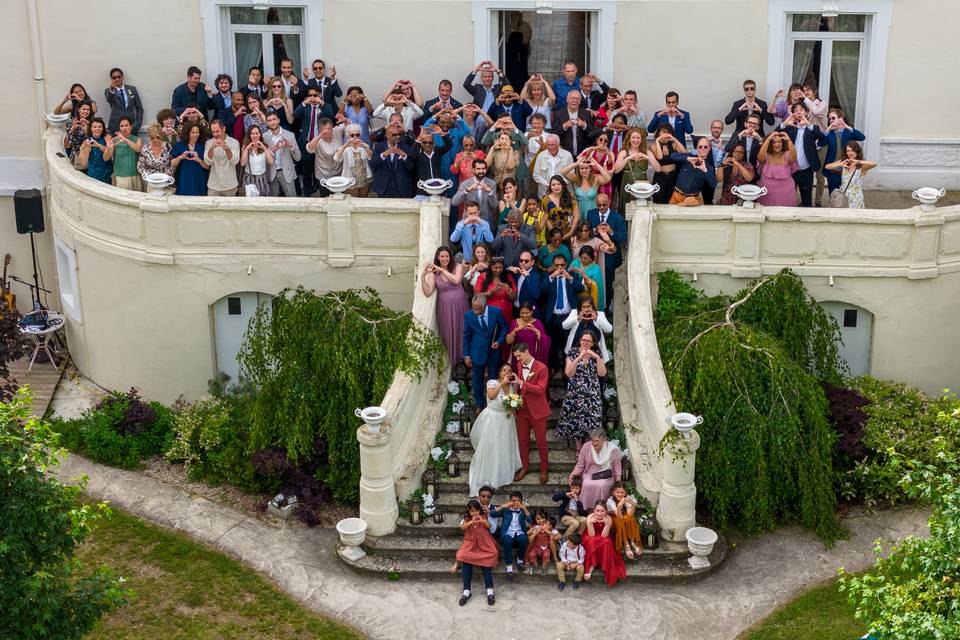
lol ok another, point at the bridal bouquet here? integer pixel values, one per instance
(512, 401)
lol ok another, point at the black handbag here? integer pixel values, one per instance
(606, 474)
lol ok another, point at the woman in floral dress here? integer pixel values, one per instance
(562, 210)
(582, 409)
(854, 167)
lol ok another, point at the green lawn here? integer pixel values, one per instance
(819, 614)
(185, 590)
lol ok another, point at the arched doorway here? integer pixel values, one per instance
(856, 330)
(231, 315)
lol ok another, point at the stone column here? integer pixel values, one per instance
(378, 495)
(676, 511)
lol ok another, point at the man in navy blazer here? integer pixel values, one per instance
(806, 140)
(529, 283)
(675, 117)
(508, 103)
(836, 137)
(560, 288)
(484, 94)
(444, 100)
(306, 118)
(749, 104)
(616, 228)
(392, 162)
(574, 124)
(192, 92)
(484, 332)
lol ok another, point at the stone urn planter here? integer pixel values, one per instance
(372, 417)
(700, 541)
(748, 193)
(642, 191)
(927, 197)
(353, 531)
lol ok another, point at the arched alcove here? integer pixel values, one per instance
(856, 330)
(230, 316)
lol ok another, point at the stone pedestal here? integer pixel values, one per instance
(378, 495)
(676, 511)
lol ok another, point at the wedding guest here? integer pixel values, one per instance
(635, 118)
(626, 533)
(354, 156)
(222, 155)
(837, 135)
(632, 163)
(462, 166)
(806, 140)
(562, 210)
(586, 183)
(599, 547)
(155, 155)
(479, 190)
(124, 100)
(601, 154)
(503, 159)
(484, 332)
(77, 132)
(96, 152)
(540, 97)
(549, 163)
(509, 202)
(529, 283)
(126, 152)
(598, 463)
(534, 216)
(554, 247)
(734, 171)
(747, 105)
(282, 173)
(476, 265)
(278, 102)
(664, 145)
(358, 110)
(562, 287)
(499, 288)
(582, 410)
(778, 162)
(323, 147)
(678, 119)
(471, 230)
(478, 550)
(513, 530)
(572, 512)
(72, 101)
(571, 558)
(780, 106)
(169, 129)
(586, 318)
(187, 161)
(529, 330)
(586, 265)
(255, 157)
(512, 239)
(445, 276)
(696, 170)
(852, 171)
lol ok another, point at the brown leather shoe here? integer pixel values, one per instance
(520, 475)
(544, 476)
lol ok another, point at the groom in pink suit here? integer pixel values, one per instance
(533, 378)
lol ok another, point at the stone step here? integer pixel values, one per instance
(445, 546)
(560, 460)
(461, 443)
(427, 568)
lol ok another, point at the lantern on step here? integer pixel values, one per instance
(466, 420)
(611, 416)
(460, 373)
(453, 465)
(429, 482)
(625, 470)
(438, 516)
(416, 513)
(650, 532)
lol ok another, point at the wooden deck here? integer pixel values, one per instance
(42, 381)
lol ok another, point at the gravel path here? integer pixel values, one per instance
(760, 574)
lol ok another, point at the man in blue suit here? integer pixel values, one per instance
(806, 140)
(675, 117)
(392, 163)
(561, 289)
(306, 119)
(529, 283)
(484, 331)
(836, 137)
(616, 228)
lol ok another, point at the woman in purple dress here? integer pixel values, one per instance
(777, 161)
(527, 329)
(444, 276)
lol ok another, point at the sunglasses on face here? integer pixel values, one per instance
(354, 135)
(115, 77)
(525, 260)
(749, 88)
(318, 68)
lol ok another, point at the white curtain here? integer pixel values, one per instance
(844, 73)
(803, 51)
(249, 51)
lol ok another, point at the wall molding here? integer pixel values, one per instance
(20, 173)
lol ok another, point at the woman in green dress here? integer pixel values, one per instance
(633, 161)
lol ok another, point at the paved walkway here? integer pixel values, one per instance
(762, 573)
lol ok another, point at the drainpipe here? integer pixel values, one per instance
(39, 82)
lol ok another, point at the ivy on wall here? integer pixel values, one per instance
(751, 365)
(314, 359)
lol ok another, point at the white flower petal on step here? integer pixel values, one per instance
(436, 452)
(427, 499)
(428, 511)
(609, 392)
(452, 427)
(457, 406)
(449, 453)
(453, 388)
(616, 443)
(625, 454)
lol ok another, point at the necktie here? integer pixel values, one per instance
(483, 322)
(313, 121)
(615, 147)
(560, 295)
(839, 155)
(603, 218)
(123, 94)
(573, 137)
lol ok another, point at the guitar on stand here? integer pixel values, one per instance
(8, 301)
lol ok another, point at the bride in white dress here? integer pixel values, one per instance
(496, 450)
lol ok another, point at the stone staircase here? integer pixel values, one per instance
(427, 550)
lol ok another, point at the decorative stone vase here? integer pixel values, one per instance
(684, 422)
(57, 120)
(642, 191)
(157, 182)
(372, 417)
(927, 196)
(353, 531)
(748, 193)
(435, 186)
(337, 184)
(700, 541)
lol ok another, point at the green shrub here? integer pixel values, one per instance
(121, 431)
(902, 423)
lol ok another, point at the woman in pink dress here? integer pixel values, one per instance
(527, 329)
(598, 463)
(777, 161)
(604, 157)
(479, 549)
(444, 276)
(599, 547)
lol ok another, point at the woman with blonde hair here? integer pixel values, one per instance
(155, 154)
(539, 95)
(503, 159)
(277, 102)
(632, 161)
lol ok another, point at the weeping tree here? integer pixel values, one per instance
(752, 365)
(314, 358)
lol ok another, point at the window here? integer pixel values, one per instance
(68, 282)
(849, 318)
(263, 37)
(829, 51)
(530, 42)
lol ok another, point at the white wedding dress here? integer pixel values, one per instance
(496, 450)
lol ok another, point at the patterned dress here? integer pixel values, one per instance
(560, 217)
(582, 409)
(851, 185)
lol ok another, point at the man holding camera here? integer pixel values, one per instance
(512, 239)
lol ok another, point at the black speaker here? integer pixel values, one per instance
(28, 204)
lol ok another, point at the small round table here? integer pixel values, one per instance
(42, 337)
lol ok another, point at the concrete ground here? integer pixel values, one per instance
(760, 574)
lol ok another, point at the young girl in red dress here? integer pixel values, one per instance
(599, 547)
(478, 550)
(542, 543)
